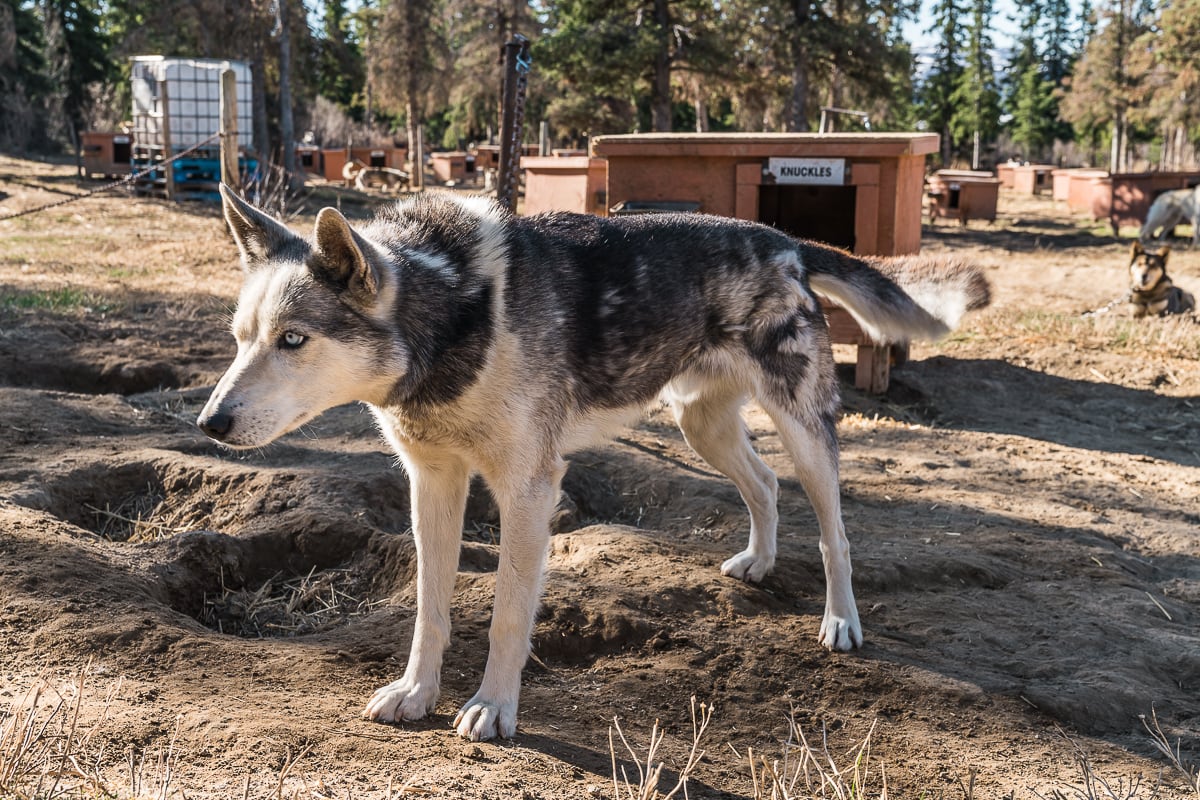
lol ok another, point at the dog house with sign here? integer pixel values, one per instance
(861, 192)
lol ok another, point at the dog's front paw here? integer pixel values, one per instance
(841, 631)
(483, 719)
(404, 699)
(748, 566)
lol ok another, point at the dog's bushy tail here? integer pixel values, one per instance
(897, 299)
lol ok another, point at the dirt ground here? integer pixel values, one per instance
(1022, 507)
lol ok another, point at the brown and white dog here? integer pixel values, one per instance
(1151, 291)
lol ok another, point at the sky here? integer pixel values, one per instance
(1004, 28)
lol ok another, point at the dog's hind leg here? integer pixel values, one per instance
(812, 444)
(525, 509)
(708, 416)
(439, 484)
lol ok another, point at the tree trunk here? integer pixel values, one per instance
(660, 101)
(797, 118)
(258, 106)
(287, 132)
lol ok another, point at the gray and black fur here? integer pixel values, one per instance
(494, 344)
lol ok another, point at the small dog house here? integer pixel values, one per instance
(1123, 198)
(106, 154)
(963, 195)
(1032, 178)
(334, 159)
(453, 166)
(858, 191)
(564, 183)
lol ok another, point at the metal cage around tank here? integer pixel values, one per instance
(190, 115)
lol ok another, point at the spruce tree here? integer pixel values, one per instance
(934, 98)
(341, 71)
(976, 97)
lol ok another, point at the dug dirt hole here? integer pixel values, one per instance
(152, 497)
(284, 582)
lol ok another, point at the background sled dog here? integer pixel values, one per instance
(489, 343)
(1170, 209)
(1151, 291)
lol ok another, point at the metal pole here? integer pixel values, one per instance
(164, 122)
(230, 175)
(512, 111)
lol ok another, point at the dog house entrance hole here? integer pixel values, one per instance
(822, 213)
(122, 149)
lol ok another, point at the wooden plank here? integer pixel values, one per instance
(165, 124)
(872, 368)
(842, 327)
(229, 131)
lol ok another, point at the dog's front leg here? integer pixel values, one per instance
(439, 485)
(525, 512)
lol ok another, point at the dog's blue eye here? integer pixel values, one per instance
(291, 340)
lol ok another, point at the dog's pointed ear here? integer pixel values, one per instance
(1135, 249)
(257, 235)
(1163, 252)
(341, 255)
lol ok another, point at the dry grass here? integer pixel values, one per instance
(52, 747)
(1166, 337)
(44, 750)
(75, 247)
(134, 519)
(649, 773)
(808, 771)
(1190, 773)
(284, 608)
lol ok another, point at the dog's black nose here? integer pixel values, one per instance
(216, 425)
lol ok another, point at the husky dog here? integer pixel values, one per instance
(382, 177)
(494, 344)
(364, 177)
(1170, 209)
(1151, 291)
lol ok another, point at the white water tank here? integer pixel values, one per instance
(193, 100)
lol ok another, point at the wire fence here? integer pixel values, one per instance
(108, 187)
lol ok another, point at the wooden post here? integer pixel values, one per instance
(872, 368)
(164, 123)
(229, 131)
(417, 179)
(515, 56)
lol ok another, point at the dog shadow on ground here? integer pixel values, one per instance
(1018, 235)
(994, 396)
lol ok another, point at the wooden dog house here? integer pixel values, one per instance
(1032, 178)
(453, 167)
(564, 183)
(1123, 198)
(332, 160)
(106, 154)
(963, 195)
(861, 192)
